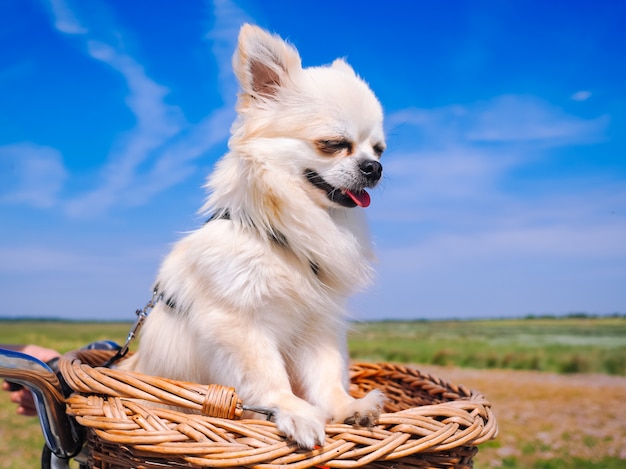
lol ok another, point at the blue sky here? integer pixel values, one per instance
(504, 190)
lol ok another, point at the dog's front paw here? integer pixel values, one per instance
(364, 412)
(305, 426)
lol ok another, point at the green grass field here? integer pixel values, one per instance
(569, 346)
(61, 335)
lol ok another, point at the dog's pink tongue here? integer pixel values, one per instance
(362, 199)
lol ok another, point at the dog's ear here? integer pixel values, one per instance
(341, 64)
(263, 62)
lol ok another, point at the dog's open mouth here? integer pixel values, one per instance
(344, 197)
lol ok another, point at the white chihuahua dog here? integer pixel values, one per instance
(255, 298)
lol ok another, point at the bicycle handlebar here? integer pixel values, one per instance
(60, 432)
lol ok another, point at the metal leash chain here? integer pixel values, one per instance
(141, 314)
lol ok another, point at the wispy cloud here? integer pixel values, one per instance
(574, 227)
(515, 119)
(159, 151)
(582, 95)
(465, 151)
(35, 259)
(175, 161)
(512, 119)
(74, 281)
(31, 174)
(156, 123)
(228, 18)
(64, 18)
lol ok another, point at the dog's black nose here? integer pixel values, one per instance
(371, 169)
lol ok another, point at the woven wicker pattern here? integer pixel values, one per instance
(428, 423)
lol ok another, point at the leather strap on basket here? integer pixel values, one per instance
(222, 402)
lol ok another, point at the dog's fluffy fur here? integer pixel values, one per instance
(254, 299)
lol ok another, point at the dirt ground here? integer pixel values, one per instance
(548, 416)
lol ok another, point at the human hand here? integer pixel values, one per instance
(22, 397)
(41, 353)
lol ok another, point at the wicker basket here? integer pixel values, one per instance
(428, 423)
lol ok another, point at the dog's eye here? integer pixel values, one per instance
(379, 148)
(333, 146)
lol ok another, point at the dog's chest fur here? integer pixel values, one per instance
(229, 265)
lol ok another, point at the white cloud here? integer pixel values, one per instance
(506, 119)
(457, 157)
(64, 18)
(35, 259)
(175, 161)
(540, 242)
(513, 118)
(450, 172)
(582, 95)
(156, 123)
(228, 19)
(158, 152)
(54, 256)
(31, 174)
(59, 279)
